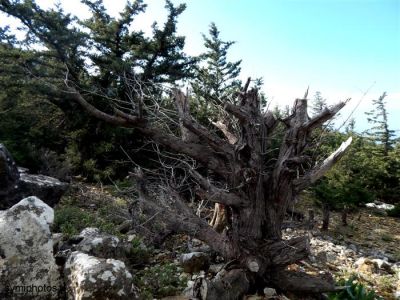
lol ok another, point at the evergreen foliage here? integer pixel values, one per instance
(216, 78)
(380, 132)
(107, 58)
(104, 56)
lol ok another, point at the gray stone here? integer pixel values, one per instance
(16, 183)
(352, 247)
(89, 231)
(47, 188)
(383, 265)
(101, 245)
(380, 206)
(194, 262)
(198, 246)
(331, 257)
(89, 277)
(269, 292)
(26, 247)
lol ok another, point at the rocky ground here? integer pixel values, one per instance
(367, 248)
(95, 250)
(97, 243)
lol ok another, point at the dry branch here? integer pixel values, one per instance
(321, 169)
(232, 139)
(215, 194)
(118, 120)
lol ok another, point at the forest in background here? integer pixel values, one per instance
(50, 134)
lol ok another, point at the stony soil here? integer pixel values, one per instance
(367, 248)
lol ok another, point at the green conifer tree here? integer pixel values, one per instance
(104, 56)
(380, 132)
(216, 78)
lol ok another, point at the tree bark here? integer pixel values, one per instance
(233, 284)
(325, 216)
(253, 188)
(344, 215)
(311, 219)
(303, 283)
(219, 219)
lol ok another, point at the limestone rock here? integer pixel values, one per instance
(373, 266)
(27, 265)
(101, 245)
(269, 292)
(196, 245)
(47, 188)
(89, 277)
(383, 265)
(194, 262)
(16, 183)
(380, 205)
(89, 231)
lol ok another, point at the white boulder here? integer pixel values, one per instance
(89, 277)
(27, 265)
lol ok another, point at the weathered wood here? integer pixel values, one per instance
(183, 108)
(325, 115)
(219, 218)
(324, 167)
(303, 282)
(215, 194)
(232, 138)
(311, 219)
(257, 190)
(325, 216)
(344, 215)
(118, 120)
(286, 252)
(232, 284)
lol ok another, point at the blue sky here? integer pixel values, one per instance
(342, 48)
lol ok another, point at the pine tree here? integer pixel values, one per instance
(380, 132)
(103, 55)
(217, 79)
(318, 103)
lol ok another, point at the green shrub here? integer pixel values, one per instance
(352, 290)
(138, 255)
(160, 281)
(70, 220)
(395, 212)
(338, 194)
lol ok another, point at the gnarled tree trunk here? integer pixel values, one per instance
(254, 188)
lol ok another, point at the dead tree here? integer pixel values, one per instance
(255, 189)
